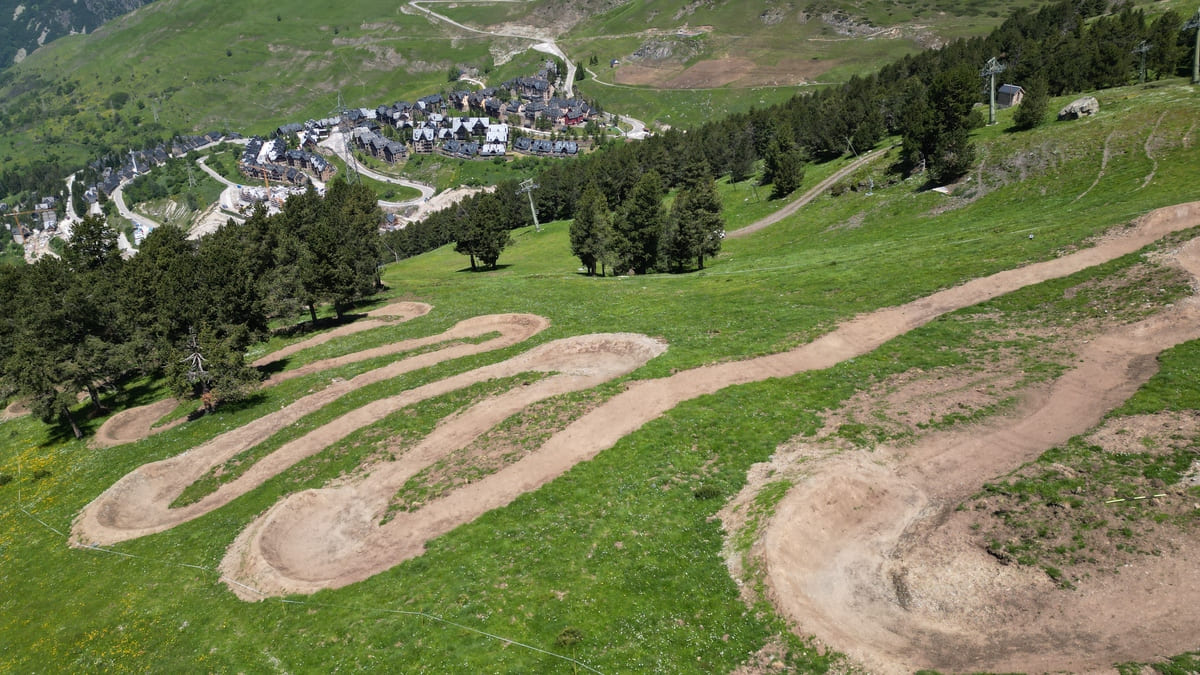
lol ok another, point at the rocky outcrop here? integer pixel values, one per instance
(1080, 107)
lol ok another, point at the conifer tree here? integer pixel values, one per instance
(591, 231)
(1033, 106)
(640, 225)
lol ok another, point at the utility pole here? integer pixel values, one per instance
(1141, 50)
(992, 68)
(344, 117)
(1194, 22)
(528, 186)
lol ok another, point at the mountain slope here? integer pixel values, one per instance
(34, 24)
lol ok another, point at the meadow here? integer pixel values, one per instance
(616, 566)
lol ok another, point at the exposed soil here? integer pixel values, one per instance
(393, 313)
(14, 410)
(137, 423)
(331, 537)
(872, 571)
(869, 553)
(139, 503)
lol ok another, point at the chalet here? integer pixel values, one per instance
(459, 99)
(575, 115)
(289, 129)
(423, 139)
(523, 144)
(1009, 95)
(542, 147)
(532, 111)
(492, 106)
(566, 148)
(492, 150)
(530, 88)
(465, 149)
(497, 133)
(459, 128)
(432, 102)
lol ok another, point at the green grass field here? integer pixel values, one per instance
(617, 564)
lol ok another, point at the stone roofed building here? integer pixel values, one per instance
(378, 146)
(530, 88)
(272, 161)
(423, 137)
(464, 149)
(289, 129)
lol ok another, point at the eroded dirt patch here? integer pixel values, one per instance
(871, 552)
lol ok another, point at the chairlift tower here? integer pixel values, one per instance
(1141, 50)
(990, 70)
(1194, 22)
(528, 186)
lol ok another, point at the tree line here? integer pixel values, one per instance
(92, 319)
(926, 99)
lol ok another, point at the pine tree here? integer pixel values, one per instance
(946, 143)
(591, 231)
(640, 225)
(1033, 106)
(482, 232)
(695, 228)
(741, 159)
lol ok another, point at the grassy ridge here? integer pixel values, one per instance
(620, 549)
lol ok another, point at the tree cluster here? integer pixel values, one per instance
(92, 319)
(640, 235)
(925, 98)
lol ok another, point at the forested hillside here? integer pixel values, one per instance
(92, 319)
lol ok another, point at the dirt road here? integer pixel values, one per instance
(813, 192)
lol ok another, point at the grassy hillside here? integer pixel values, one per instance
(195, 65)
(618, 563)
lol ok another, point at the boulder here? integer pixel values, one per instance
(1080, 107)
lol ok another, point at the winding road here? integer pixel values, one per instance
(337, 143)
(544, 43)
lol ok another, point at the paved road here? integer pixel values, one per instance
(337, 143)
(213, 172)
(545, 43)
(118, 198)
